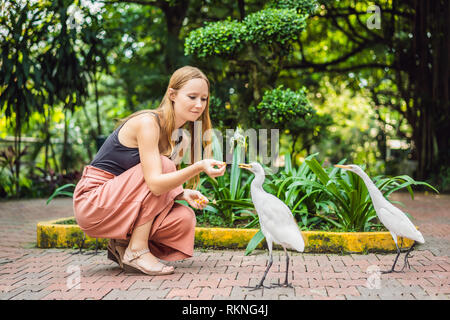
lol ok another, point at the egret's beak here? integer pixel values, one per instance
(342, 167)
(245, 166)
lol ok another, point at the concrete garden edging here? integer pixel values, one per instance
(51, 234)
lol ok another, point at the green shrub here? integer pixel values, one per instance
(350, 206)
(330, 199)
(215, 38)
(231, 197)
(273, 25)
(226, 38)
(302, 6)
(280, 105)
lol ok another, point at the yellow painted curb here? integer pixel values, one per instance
(50, 234)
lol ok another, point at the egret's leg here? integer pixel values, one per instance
(260, 284)
(395, 261)
(286, 283)
(406, 256)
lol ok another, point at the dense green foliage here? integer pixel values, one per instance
(216, 39)
(64, 78)
(278, 105)
(393, 52)
(46, 60)
(302, 6)
(274, 25)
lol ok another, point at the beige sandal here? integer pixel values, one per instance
(116, 251)
(130, 264)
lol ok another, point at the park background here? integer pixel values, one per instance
(365, 81)
(344, 81)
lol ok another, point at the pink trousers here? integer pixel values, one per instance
(109, 206)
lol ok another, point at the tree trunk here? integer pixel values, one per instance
(17, 146)
(175, 15)
(430, 86)
(64, 154)
(47, 136)
(97, 107)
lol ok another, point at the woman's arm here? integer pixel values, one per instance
(147, 136)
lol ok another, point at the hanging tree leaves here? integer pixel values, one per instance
(44, 60)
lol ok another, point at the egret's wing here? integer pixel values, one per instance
(276, 218)
(275, 209)
(397, 222)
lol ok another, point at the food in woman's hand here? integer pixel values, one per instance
(221, 164)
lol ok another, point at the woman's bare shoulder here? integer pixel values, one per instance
(147, 133)
(145, 120)
(143, 124)
(147, 126)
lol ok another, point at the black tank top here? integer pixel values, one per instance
(114, 157)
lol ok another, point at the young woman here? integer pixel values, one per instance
(127, 192)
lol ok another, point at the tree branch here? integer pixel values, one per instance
(319, 67)
(322, 66)
(373, 34)
(302, 51)
(350, 36)
(363, 66)
(350, 26)
(241, 5)
(340, 14)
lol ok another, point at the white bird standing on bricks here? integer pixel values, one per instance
(275, 218)
(390, 216)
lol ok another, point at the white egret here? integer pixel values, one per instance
(390, 216)
(275, 218)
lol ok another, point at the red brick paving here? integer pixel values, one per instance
(29, 273)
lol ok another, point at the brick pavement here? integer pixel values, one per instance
(30, 273)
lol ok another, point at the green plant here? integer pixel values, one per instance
(274, 25)
(350, 207)
(231, 198)
(44, 62)
(441, 179)
(328, 199)
(303, 6)
(67, 222)
(302, 201)
(291, 110)
(271, 25)
(10, 178)
(254, 241)
(218, 38)
(61, 191)
(280, 105)
(207, 219)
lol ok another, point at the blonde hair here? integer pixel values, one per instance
(166, 115)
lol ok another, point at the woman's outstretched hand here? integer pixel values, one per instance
(209, 167)
(195, 198)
